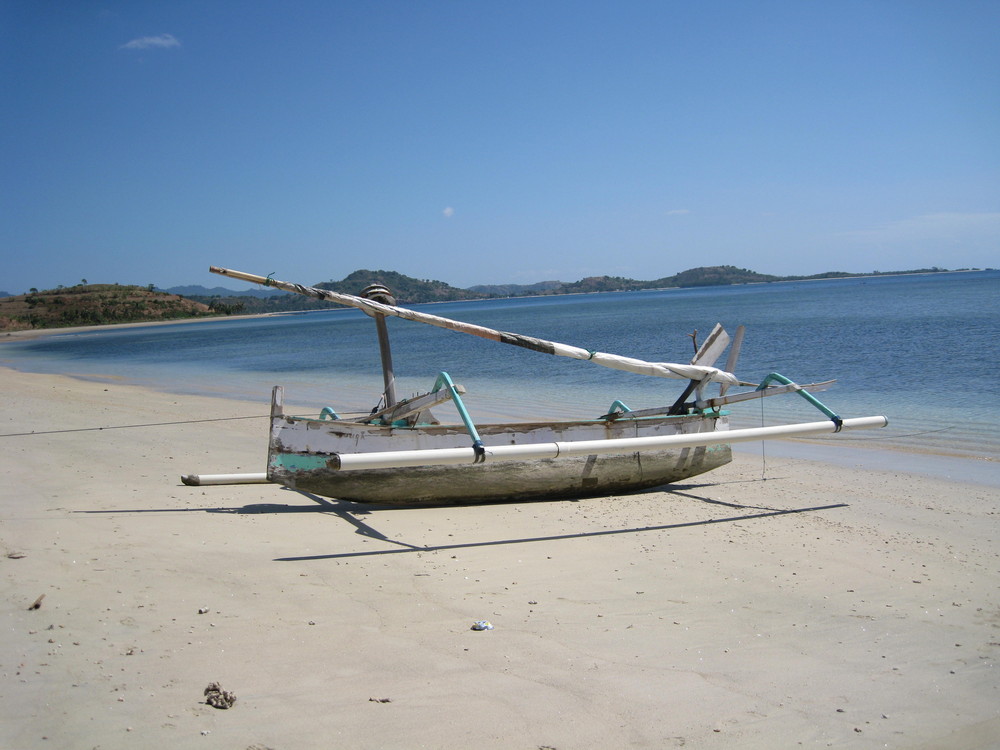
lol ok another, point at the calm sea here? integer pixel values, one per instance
(922, 350)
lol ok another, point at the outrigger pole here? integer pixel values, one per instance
(555, 450)
(565, 449)
(700, 373)
(202, 480)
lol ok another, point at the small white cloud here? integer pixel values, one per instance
(678, 212)
(448, 212)
(163, 41)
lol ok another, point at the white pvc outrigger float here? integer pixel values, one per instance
(458, 456)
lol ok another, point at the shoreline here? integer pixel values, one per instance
(34, 333)
(947, 466)
(817, 605)
(940, 463)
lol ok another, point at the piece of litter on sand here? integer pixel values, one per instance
(380, 700)
(216, 697)
(482, 625)
(37, 603)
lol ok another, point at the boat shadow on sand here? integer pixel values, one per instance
(351, 513)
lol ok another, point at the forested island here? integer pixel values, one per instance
(95, 304)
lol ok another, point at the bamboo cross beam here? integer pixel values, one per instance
(614, 361)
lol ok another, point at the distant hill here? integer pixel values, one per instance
(703, 276)
(602, 284)
(229, 302)
(94, 304)
(515, 290)
(714, 276)
(406, 289)
(196, 290)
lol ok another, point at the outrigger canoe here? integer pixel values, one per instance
(400, 454)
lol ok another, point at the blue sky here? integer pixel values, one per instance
(476, 142)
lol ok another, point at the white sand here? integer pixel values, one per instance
(827, 606)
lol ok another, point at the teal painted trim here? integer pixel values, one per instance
(404, 425)
(618, 406)
(779, 378)
(444, 381)
(710, 413)
(328, 413)
(296, 462)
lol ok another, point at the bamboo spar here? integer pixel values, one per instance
(614, 361)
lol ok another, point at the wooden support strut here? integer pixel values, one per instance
(720, 401)
(408, 407)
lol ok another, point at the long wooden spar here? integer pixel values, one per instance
(656, 369)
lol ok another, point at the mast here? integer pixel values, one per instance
(382, 294)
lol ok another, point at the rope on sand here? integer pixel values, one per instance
(129, 426)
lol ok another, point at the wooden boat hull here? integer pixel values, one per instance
(300, 452)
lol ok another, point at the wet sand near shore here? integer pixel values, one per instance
(824, 605)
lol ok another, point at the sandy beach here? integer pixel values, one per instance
(823, 605)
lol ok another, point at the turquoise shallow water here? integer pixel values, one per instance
(921, 349)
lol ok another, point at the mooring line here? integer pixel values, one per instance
(129, 426)
(871, 438)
